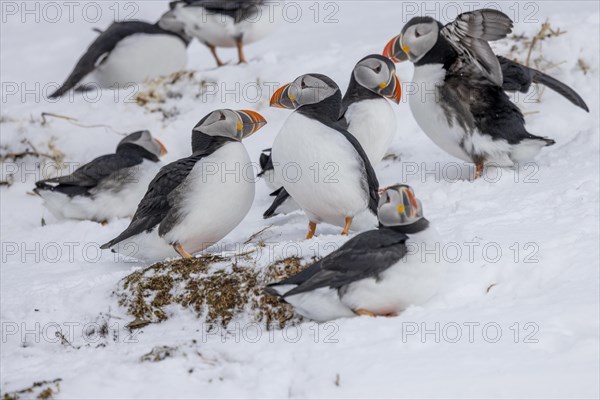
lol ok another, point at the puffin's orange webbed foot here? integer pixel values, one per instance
(312, 227)
(347, 226)
(180, 250)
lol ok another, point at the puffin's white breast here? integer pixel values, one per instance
(428, 113)
(373, 123)
(139, 57)
(218, 194)
(320, 169)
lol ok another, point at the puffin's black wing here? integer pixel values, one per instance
(281, 195)
(518, 77)
(470, 33)
(486, 108)
(364, 256)
(371, 178)
(100, 48)
(157, 201)
(91, 174)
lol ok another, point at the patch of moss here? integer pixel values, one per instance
(219, 293)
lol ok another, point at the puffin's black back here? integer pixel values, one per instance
(88, 176)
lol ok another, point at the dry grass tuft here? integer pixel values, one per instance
(532, 46)
(45, 390)
(156, 93)
(159, 353)
(529, 50)
(217, 289)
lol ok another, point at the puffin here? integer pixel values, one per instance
(366, 115)
(379, 272)
(332, 180)
(226, 23)
(131, 52)
(468, 113)
(196, 201)
(109, 186)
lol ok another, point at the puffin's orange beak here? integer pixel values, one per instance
(412, 199)
(282, 98)
(249, 122)
(393, 50)
(163, 149)
(393, 90)
(397, 90)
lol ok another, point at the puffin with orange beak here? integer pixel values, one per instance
(107, 187)
(379, 272)
(469, 114)
(196, 201)
(367, 115)
(333, 180)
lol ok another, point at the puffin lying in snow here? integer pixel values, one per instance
(109, 186)
(131, 52)
(344, 184)
(378, 272)
(366, 114)
(225, 23)
(194, 202)
(470, 116)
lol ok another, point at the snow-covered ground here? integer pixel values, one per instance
(518, 313)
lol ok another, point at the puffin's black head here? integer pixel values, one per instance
(231, 124)
(398, 206)
(417, 38)
(305, 90)
(378, 74)
(142, 142)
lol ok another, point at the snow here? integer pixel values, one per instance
(541, 293)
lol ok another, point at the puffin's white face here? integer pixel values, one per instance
(237, 125)
(416, 40)
(399, 206)
(145, 140)
(304, 90)
(379, 76)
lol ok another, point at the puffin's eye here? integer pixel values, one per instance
(377, 69)
(417, 34)
(302, 84)
(221, 116)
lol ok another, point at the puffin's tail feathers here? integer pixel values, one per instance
(43, 185)
(560, 88)
(549, 142)
(277, 290)
(280, 197)
(546, 141)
